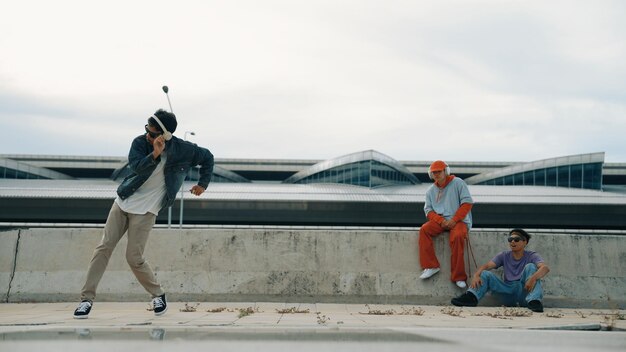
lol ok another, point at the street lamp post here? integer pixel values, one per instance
(182, 195)
(169, 209)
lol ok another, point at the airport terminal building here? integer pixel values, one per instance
(365, 188)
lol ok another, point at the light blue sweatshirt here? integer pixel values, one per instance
(446, 201)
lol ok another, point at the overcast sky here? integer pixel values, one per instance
(416, 80)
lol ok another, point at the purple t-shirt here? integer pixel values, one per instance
(513, 268)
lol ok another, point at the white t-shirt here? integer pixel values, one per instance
(148, 198)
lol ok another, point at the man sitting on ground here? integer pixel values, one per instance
(522, 273)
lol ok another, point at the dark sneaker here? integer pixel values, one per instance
(159, 304)
(82, 312)
(535, 306)
(465, 300)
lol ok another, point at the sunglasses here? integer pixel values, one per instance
(514, 239)
(152, 134)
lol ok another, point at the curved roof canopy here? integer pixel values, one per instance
(366, 168)
(574, 171)
(15, 169)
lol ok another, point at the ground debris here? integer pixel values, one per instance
(412, 311)
(219, 310)
(190, 308)
(292, 310)
(243, 312)
(322, 319)
(506, 313)
(554, 314)
(451, 311)
(371, 311)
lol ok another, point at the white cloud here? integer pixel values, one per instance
(479, 80)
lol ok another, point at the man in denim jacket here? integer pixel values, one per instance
(159, 163)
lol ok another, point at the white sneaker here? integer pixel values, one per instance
(461, 284)
(428, 273)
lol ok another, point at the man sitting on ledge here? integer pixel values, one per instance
(447, 206)
(522, 273)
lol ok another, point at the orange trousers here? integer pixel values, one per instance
(428, 258)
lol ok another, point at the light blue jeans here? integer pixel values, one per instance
(510, 293)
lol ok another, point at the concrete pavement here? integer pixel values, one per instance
(115, 315)
(261, 326)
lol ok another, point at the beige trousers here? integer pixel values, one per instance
(138, 227)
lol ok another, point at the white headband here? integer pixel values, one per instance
(160, 124)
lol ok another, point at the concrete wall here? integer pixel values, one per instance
(297, 266)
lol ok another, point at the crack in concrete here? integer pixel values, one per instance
(26, 324)
(17, 247)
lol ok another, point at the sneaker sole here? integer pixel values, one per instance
(81, 316)
(161, 313)
(456, 302)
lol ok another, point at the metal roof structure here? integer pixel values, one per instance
(79, 190)
(86, 201)
(105, 189)
(536, 165)
(275, 170)
(368, 155)
(25, 170)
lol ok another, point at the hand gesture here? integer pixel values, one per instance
(158, 145)
(197, 190)
(448, 224)
(530, 284)
(476, 281)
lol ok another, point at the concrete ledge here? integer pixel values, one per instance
(346, 266)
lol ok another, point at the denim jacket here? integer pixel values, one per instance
(181, 156)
